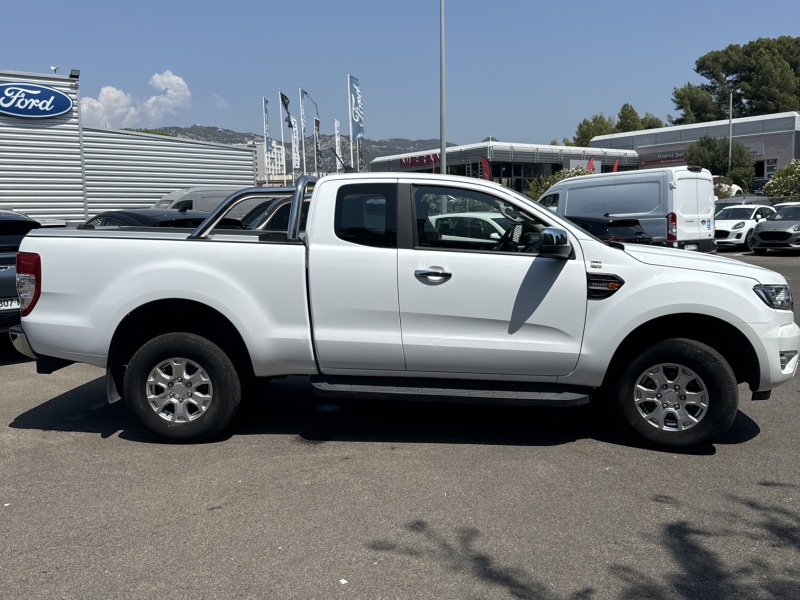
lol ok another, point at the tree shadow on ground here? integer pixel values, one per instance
(462, 557)
(290, 407)
(695, 570)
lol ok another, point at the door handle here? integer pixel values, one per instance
(426, 273)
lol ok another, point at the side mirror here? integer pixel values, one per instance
(554, 243)
(494, 236)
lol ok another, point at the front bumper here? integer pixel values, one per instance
(729, 237)
(774, 241)
(779, 350)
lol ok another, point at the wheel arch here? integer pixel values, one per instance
(725, 338)
(169, 316)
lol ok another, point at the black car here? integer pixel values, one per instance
(154, 217)
(614, 230)
(757, 186)
(13, 227)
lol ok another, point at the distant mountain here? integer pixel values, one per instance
(372, 148)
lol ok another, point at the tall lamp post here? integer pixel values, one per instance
(443, 146)
(730, 128)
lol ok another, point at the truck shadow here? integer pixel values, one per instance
(9, 354)
(289, 407)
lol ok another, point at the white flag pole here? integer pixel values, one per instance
(266, 142)
(303, 130)
(283, 147)
(350, 119)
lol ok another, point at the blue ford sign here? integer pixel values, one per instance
(32, 101)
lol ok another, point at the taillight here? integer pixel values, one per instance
(672, 227)
(29, 281)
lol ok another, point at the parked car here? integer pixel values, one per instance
(13, 227)
(203, 198)
(674, 205)
(757, 186)
(614, 230)
(734, 224)
(733, 190)
(365, 303)
(151, 217)
(781, 230)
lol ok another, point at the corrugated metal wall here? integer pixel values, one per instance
(125, 169)
(40, 159)
(41, 173)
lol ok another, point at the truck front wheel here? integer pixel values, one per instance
(182, 386)
(680, 393)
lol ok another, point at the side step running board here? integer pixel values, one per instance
(444, 390)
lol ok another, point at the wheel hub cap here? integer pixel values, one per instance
(179, 390)
(671, 397)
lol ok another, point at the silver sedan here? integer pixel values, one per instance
(781, 230)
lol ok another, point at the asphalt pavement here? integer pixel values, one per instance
(311, 498)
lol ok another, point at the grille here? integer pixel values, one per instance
(774, 236)
(721, 233)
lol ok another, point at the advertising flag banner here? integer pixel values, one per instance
(616, 165)
(267, 141)
(302, 112)
(295, 144)
(356, 108)
(590, 166)
(317, 147)
(360, 144)
(285, 102)
(339, 163)
(486, 168)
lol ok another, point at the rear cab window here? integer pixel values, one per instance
(366, 214)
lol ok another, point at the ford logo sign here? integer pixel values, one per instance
(32, 101)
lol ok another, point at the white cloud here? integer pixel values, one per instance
(114, 108)
(220, 102)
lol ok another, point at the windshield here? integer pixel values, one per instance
(731, 213)
(787, 213)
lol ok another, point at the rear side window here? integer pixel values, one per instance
(550, 202)
(366, 214)
(640, 197)
(589, 201)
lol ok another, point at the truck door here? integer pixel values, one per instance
(496, 309)
(352, 276)
(687, 208)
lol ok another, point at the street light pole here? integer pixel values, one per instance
(730, 130)
(443, 147)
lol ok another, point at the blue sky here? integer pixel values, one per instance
(522, 71)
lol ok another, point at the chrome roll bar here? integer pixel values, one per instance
(296, 191)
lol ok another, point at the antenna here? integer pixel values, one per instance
(55, 69)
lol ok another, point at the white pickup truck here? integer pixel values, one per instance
(369, 298)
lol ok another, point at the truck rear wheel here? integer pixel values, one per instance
(182, 386)
(678, 394)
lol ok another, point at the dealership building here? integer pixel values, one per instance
(513, 165)
(53, 166)
(773, 139)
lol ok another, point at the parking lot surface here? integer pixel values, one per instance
(310, 498)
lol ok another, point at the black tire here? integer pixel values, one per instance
(707, 364)
(748, 240)
(760, 251)
(225, 395)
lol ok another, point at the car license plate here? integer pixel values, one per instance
(9, 304)
(690, 246)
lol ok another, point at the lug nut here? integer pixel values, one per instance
(170, 384)
(683, 397)
(677, 387)
(180, 379)
(188, 384)
(677, 407)
(658, 396)
(190, 394)
(665, 386)
(171, 395)
(665, 405)
(180, 400)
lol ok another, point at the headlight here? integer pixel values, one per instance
(797, 228)
(739, 225)
(778, 297)
(759, 226)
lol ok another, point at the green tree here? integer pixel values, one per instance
(589, 128)
(764, 76)
(696, 105)
(541, 184)
(650, 121)
(785, 182)
(712, 154)
(628, 119)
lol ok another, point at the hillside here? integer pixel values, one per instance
(372, 148)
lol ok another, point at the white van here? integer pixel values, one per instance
(205, 198)
(675, 205)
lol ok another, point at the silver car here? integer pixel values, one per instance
(781, 230)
